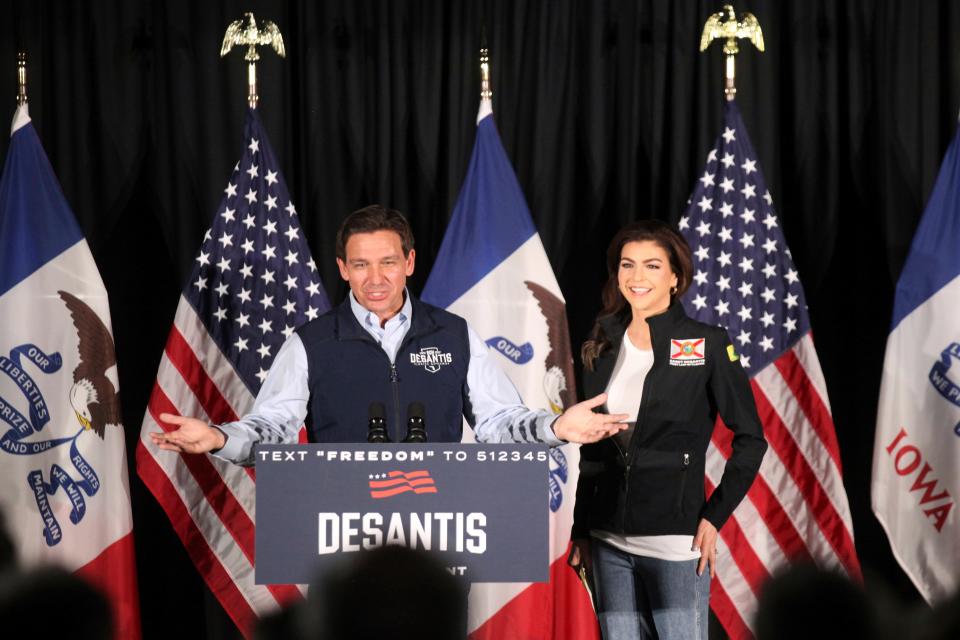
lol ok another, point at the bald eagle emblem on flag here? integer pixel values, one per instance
(558, 366)
(92, 397)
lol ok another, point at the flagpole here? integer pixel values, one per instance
(486, 87)
(486, 93)
(21, 78)
(250, 36)
(731, 29)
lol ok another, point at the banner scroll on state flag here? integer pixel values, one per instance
(492, 270)
(745, 280)
(916, 452)
(64, 495)
(253, 282)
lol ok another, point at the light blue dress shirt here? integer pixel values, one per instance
(281, 406)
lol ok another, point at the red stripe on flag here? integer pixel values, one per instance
(114, 573)
(531, 616)
(219, 497)
(830, 522)
(775, 518)
(185, 361)
(727, 613)
(742, 551)
(206, 561)
(810, 402)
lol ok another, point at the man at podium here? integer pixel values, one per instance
(376, 354)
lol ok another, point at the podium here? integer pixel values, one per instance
(482, 508)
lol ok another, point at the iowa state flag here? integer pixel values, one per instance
(493, 271)
(916, 452)
(63, 469)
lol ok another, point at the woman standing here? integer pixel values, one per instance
(642, 525)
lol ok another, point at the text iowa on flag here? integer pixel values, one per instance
(64, 492)
(492, 270)
(392, 483)
(916, 451)
(253, 282)
(745, 280)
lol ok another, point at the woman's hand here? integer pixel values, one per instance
(580, 555)
(706, 542)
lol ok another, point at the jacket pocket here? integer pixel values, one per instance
(666, 471)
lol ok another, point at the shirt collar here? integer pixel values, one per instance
(369, 319)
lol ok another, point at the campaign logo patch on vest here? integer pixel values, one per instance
(688, 352)
(431, 359)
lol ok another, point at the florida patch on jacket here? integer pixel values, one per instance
(688, 352)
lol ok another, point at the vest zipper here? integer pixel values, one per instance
(395, 384)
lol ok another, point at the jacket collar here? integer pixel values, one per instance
(670, 317)
(616, 325)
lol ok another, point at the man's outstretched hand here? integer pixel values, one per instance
(580, 424)
(192, 436)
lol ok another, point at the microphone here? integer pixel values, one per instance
(377, 427)
(416, 426)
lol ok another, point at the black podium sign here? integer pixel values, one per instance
(481, 507)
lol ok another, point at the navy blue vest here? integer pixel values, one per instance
(348, 371)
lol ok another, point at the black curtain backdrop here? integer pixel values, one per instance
(606, 109)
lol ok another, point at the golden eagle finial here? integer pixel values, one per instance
(725, 26)
(244, 33)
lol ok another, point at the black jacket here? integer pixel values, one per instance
(656, 485)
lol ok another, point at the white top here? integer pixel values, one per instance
(625, 388)
(624, 393)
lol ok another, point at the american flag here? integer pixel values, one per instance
(745, 280)
(253, 282)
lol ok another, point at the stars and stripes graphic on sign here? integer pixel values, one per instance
(392, 483)
(745, 280)
(253, 282)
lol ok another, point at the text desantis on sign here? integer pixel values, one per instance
(319, 502)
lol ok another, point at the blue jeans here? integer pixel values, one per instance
(641, 598)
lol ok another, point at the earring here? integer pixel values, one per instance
(673, 291)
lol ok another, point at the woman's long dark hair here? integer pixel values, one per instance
(614, 304)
